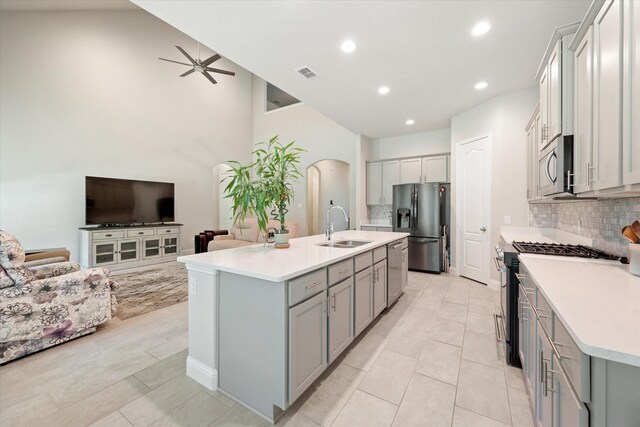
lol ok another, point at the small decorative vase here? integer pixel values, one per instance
(282, 239)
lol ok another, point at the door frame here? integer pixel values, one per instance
(459, 209)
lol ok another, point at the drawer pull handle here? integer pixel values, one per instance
(140, 232)
(520, 277)
(168, 231)
(311, 286)
(107, 235)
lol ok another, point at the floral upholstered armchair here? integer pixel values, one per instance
(50, 305)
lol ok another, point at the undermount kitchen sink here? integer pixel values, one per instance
(347, 244)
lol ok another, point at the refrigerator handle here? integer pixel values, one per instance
(414, 208)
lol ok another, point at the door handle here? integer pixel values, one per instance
(483, 229)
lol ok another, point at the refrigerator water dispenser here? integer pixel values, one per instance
(403, 218)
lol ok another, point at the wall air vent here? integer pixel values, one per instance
(306, 72)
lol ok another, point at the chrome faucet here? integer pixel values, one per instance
(329, 232)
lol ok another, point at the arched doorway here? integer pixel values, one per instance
(327, 180)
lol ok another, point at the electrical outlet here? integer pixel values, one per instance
(507, 219)
(193, 286)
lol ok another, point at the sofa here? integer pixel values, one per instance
(248, 233)
(201, 240)
(52, 304)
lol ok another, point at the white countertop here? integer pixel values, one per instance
(542, 235)
(597, 301)
(278, 265)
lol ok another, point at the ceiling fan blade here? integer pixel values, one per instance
(193, 62)
(211, 60)
(216, 70)
(176, 62)
(187, 73)
(208, 76)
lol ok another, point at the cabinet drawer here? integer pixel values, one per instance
(379, 254)
(546, 314)
(168, 230)
(340, 271)
(576, 364)
(99, 235)
(140, 233)
(308, 285)
(363, 261)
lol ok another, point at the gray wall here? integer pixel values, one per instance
(83, 93)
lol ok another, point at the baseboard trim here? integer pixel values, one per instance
(202, 373)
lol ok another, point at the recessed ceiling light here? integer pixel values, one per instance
(481, 28)
(348, 46)
(383, 90)
(410, 122)
(481, 85)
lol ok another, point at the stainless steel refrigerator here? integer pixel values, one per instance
(422, 210)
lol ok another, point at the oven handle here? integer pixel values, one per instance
(497, 261)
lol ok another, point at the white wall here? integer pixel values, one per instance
(320, 136)
(83, 93)
(504, 118)
(334, 178)
(415, 144)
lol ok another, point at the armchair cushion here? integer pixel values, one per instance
(12, 260)
(54, 270)
(225, 237)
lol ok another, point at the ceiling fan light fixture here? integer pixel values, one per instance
(348, 46)
(480, 28)
(383, 90)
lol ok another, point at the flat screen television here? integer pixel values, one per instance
(111, 201)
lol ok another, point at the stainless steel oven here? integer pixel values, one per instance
(555, 164)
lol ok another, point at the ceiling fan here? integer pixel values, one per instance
(200, 66)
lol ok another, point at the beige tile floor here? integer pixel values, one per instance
(431, 360)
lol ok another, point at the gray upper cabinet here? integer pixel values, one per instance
(631, 96)
(381, 177)
(341, 331)
(583, 115)
(307, 344)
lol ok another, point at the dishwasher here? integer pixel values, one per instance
(398, 263)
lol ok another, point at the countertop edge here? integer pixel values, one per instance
(279, 279)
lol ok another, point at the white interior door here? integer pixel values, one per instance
(473, 209)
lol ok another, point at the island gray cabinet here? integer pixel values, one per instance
(364, 291)
(307, 344)
(379, 287)
(341, 331)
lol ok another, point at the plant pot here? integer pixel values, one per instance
(282, 239)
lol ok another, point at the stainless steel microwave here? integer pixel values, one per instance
(555, 164)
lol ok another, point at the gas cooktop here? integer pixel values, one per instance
(565, 250)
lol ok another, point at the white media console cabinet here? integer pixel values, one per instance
(129, 246)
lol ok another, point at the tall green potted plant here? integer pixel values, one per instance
(264, 188)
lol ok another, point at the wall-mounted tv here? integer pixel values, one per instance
(111, 201)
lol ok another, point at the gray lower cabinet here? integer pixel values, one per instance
(307, 344)
(568, 408)
(379, 287)
(341, 331)
(364, 299)
(544, 395)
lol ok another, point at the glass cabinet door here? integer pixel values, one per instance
(128, 250)
(151, 248)
(104, 253)
(170, 245)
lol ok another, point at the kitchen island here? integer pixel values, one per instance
(265, 323)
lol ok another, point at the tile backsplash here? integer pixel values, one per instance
(600, 220)
(379, 212)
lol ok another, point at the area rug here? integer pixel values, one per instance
(145, 291)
